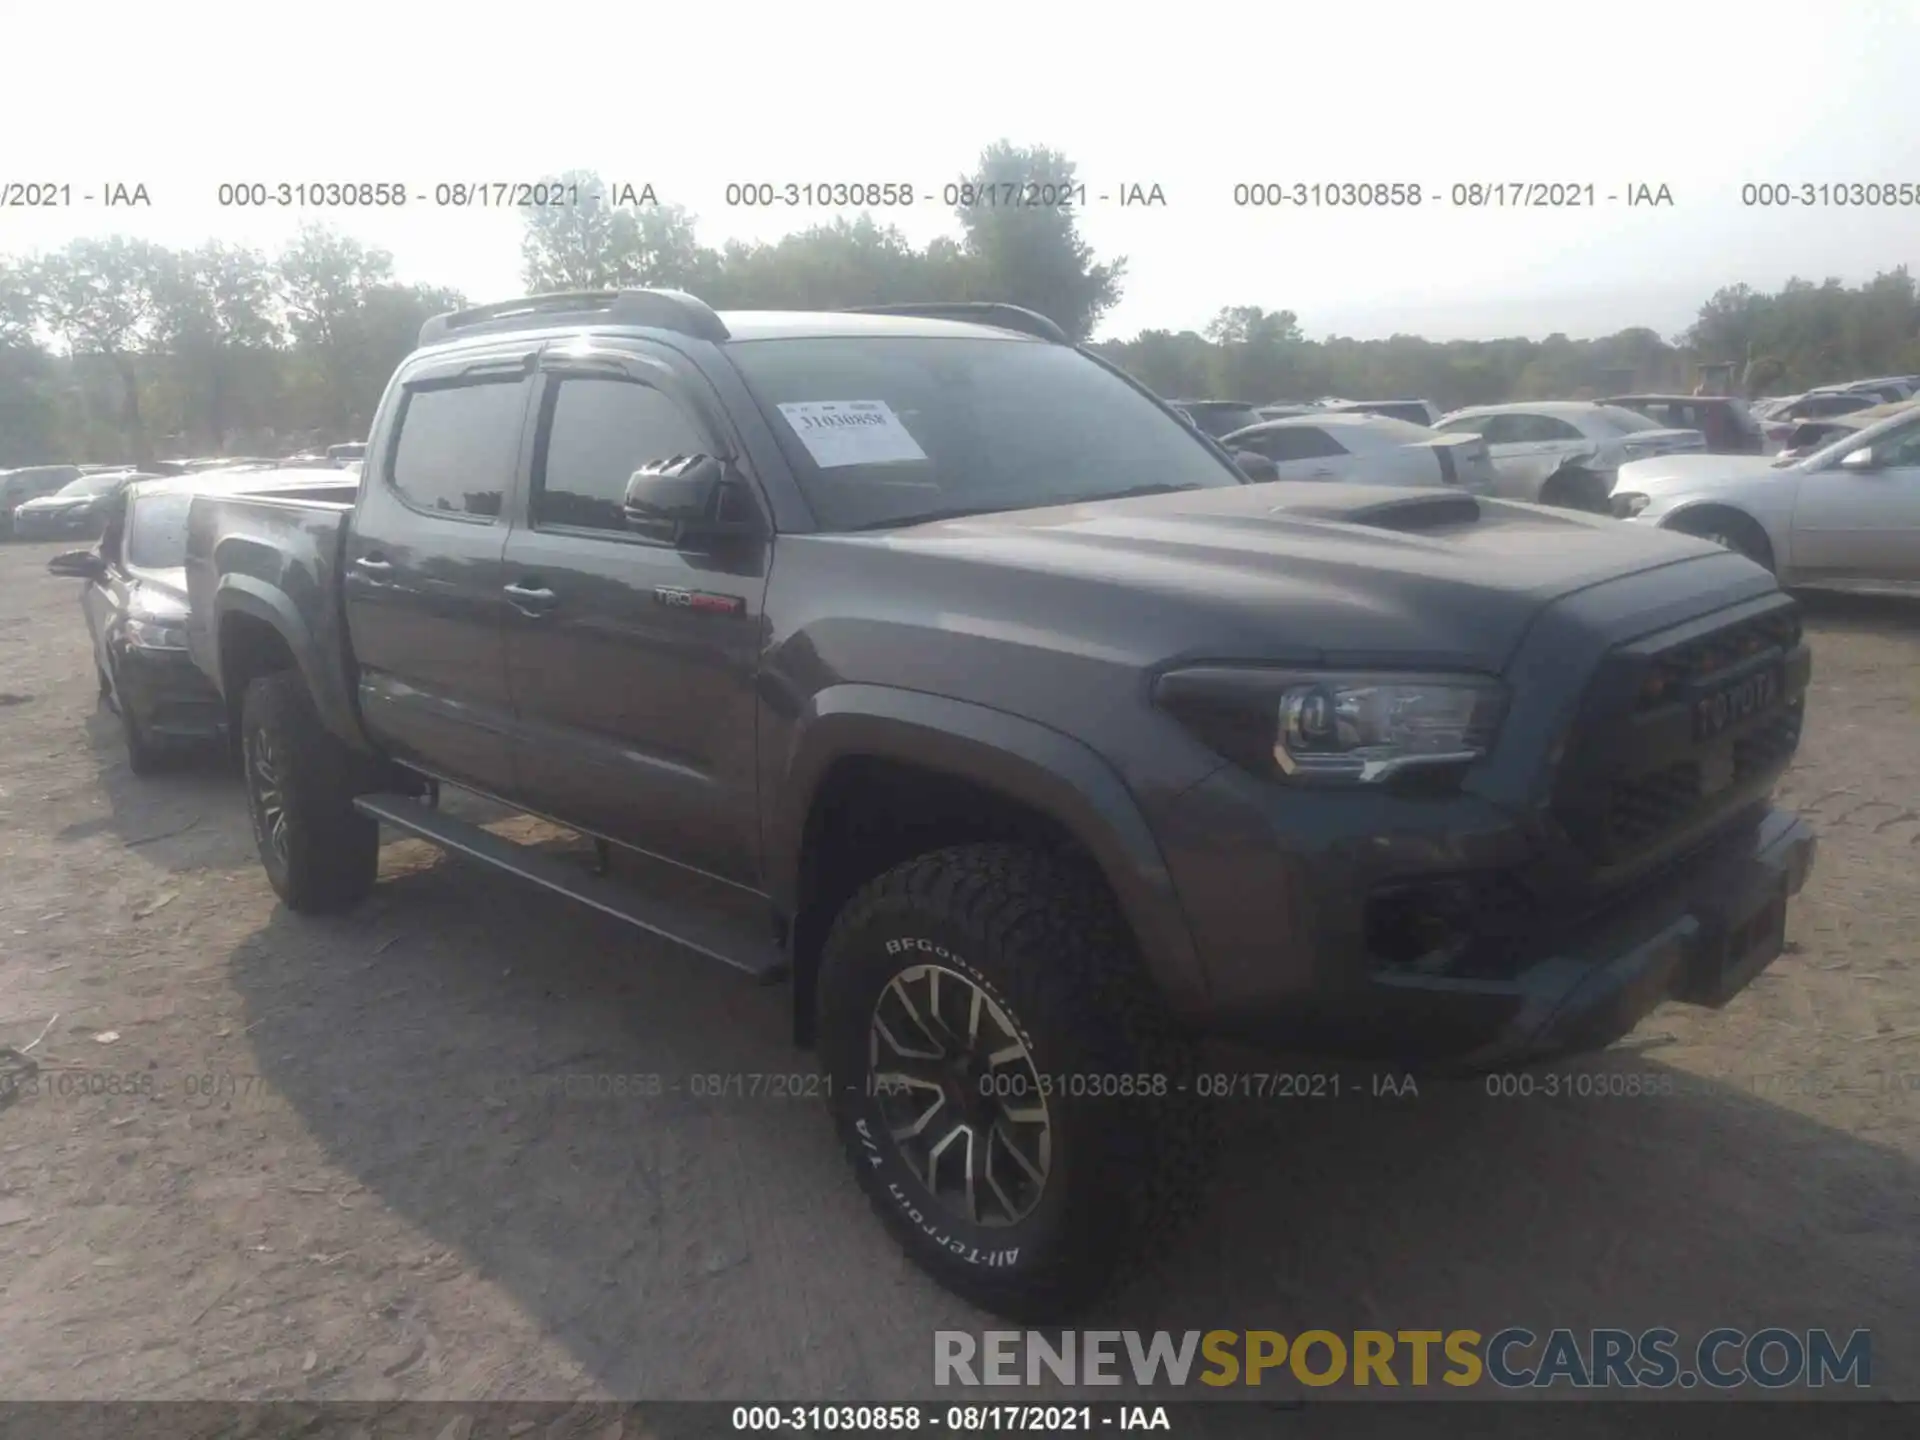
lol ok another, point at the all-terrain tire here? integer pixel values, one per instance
(300, 783)
(1038, 935)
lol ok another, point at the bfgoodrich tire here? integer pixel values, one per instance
(1013, 1098)
(320, 854)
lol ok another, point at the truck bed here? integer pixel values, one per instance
(274, 553)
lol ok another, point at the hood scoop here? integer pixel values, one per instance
(1406, 513)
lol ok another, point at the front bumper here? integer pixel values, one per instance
(1698, 933)
(168, 697)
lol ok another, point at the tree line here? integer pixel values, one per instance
(116, 348)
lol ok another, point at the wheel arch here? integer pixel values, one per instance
(258, 631)
(962, 772)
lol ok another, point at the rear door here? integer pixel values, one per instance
(423, 566)
(1863, 525)
(633, 662)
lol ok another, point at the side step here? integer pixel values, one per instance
(731, 939)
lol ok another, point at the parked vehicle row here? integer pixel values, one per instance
(134, 603)
(73, 500)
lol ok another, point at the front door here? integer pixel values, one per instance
(423, 569)
(633, 663)
(1862, 524)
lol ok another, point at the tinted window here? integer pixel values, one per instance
(598, 432)
(1833, 404)
(1628, 422)
(1292, 442)
(1469, 425)
(157, 532)
(458, 446)
(964, 424)
(93, 485)
(1504, 429)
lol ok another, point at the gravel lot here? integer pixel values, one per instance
(312, 1164)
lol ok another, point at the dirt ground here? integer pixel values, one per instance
(274, 1158)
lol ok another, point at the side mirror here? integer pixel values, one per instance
(80, 564)
(689, 501)
(1258, 469)
(1861, 459)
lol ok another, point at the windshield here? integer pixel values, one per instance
(157, 532)
(1624, 421)
(93, 485)
(1850, 439)
(895, 430)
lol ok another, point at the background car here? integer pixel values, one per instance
(1371, 449)
(1728, 423)
(1846, 516)
(1778, 420)
(1811, 435)
(1882, 390)
(30, 483)
(1414, 412)
(340, 456)
(135, 604)
(78, 508)
(1565, 452)
(1218, 417)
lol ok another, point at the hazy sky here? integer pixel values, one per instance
(1701, 97)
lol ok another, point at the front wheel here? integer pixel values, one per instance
(320, 854)
(1013, 1098)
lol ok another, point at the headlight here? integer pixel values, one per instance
(152, 634)
(1627, 504)
(1336, 729)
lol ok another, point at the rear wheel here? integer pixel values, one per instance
(320, 854)
(1018, 1107)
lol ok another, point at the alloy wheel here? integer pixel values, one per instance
(959, 1094)
(269, 804)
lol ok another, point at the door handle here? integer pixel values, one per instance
(532, 599)
(1320, 474)
(373, 563)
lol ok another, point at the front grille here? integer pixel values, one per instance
(1636, 777)
(1671, 670)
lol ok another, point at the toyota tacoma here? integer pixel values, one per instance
(923, 661)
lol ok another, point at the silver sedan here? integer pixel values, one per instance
(1845, 517)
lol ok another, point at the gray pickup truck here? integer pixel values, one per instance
(927, 662)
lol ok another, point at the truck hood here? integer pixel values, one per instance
(1288, 571)
(1665, 473)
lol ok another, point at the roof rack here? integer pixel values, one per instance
(657, 309)
(979, 312)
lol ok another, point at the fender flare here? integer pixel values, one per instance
(1027, 762)
(239, 594)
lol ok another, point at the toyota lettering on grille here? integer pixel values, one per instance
(1734, 702)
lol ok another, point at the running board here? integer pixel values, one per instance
(732, 940)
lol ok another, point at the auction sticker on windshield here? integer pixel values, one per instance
(851, 432)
